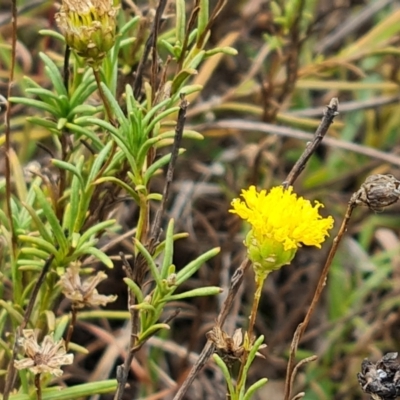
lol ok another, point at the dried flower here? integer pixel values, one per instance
(47, 357)
(281, 222)
(381, 379)
(229, 348)
(89, 27)
(378, 191)
(83, 293)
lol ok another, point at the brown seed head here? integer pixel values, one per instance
(378, 191)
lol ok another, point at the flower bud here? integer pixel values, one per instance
(89, 27)
(267, 255)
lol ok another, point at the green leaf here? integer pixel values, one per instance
(116, 133)
(195, 61)
(42, 228)
(101, 256)
(181, 78)
(85, 132)
(161, 246)
(71, 168)
(115, 108)
(52, 33)
(12, 312)
(73, 392)
(203, 17)
(61, 124)
(155, 110)
(150, 262)
(37, 104)
(39, 242)
(168, 46)
(124, 185)
(180, 20)
(169, 250)
(30, 265)
(54, 75)
(198, 292)
(73, 209)
(84, 109)
(151, 331)
(225, 372)
(93, 230)
(98, 163)
(250, 360)
(129, 25)
(230, 51)
(46, 123)
(157, 165)
(147, 307)
(34, 252)
(188, 90)
(158, 118)
(84, 90)
(45, 95)
(187, 271)
(254, 387)
(52, 220)
(135, 289)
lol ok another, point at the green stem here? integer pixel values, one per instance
(260, 279)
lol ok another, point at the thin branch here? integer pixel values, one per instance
(330, 113)
(271, 129)
(38, 387)
(190, 26)
(297, 367)
(72, 323)
(216, 11)
(123, 369)
(66, 67)
(349, 106)
(156, 229)
(7, 132)
(154, 37)
(150, 44)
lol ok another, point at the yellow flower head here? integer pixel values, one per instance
(281, 222)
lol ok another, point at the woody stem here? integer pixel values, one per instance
(38, 387)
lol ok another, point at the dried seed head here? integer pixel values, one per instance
(89, 27)
(382, 379)
(47, 357)
(83, 293)
(378, 191)
(230, 349)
